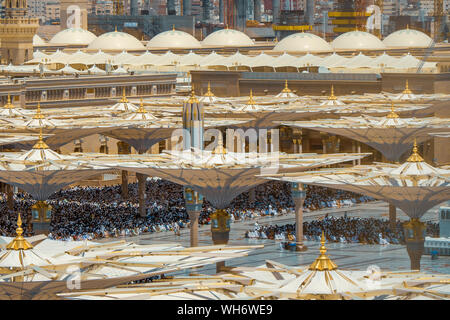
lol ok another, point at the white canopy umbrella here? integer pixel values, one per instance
(60, 57)
(286, 92)
(123, 105)
(123, 58)
(10, 111)
(146, 58)
(96, 70)
(120, 70)
(68, 70)
(212, 59)
(190, 59)
(414, 186)
(391, 135)
(309, 60)
(99, 57)
(41, 171)
(41, 268)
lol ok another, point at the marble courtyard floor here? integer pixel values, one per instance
(347, 256)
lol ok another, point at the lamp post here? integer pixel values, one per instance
(41, 213)
(298, 195)
(194, 202)
(220, 226)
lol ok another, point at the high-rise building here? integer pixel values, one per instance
(74, 13)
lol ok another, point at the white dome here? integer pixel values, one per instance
(77, 36)
(173, 39)
(359, 40)
(116, 41)
(38, 41)
(408, 38)
(227, 38)
(304, 42)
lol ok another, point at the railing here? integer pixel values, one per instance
(311, 76)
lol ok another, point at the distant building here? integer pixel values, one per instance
(52, 12)
(103, 7)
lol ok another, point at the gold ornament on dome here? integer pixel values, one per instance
(407, 90)
(323, 263)
(38, 114)
(141, 107)
(286, 88)
(192, 99)
(250, 99)
(40, 144)
(9, 105)
(19, 242)
(392, 114)
(415, 156)
(124, 97)
(209, 92)
(332, 96)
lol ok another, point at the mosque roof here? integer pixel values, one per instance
(303, 42)
(357, 40)
(408, 38)
(116, 41)
(228, 38)
(173, 39)
(73, 36)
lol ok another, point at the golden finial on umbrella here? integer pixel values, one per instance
(332, 96)
(415, 156)
(250, 98)
(392, 114)
(407, 90)
(38, 114)
(141, 107)
(209, 92)
(40, 144)
(19, 242)
(323, 262)
(193, 98)
(286, 88)
(9, 105)
(124, 96)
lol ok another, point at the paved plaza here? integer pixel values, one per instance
(347, 256)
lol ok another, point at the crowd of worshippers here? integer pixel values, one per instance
(341, 229)
(97, 212)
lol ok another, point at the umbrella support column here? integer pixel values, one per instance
(415, 252)
(415, 239)
(392, 216)
(10, 196)
(219, 266)
(124, 184)
(194, 203)
(298, 195)
(124, 148)
(141, 191)
(193, 226)
(252, 195)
